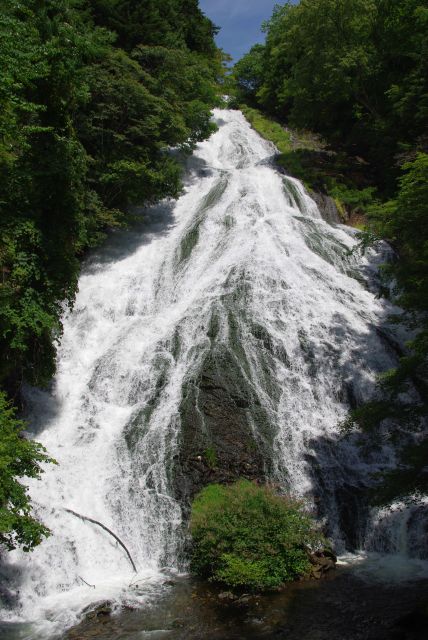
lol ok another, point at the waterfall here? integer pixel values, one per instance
(240, 276)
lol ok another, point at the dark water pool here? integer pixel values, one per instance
(344, 606)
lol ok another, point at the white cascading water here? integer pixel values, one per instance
(241, 239)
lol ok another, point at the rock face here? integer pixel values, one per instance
(322, 563)
(327, 207)
(218, 443)
(319, 165)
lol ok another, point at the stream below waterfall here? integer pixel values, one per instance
(233, 320)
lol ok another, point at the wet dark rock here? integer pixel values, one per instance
(217, 441)
(227, 595)
(98, 611)
(178, 624)
(348, 501)
(390, 341)
(417, 528)
(322, 562)
(349, 395)
(327, 207)
(8, 599)
(352, 504)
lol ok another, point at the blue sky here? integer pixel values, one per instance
(240, 22)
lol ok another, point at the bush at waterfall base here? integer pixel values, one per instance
(246, 536)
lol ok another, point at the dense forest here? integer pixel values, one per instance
(92, 95)
(356, 72)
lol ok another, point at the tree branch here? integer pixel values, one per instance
(78, 515)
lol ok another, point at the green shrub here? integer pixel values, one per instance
(19, 458)
(355, 199)
(246, 536)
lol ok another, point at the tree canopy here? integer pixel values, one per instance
(355, 71)
(93, 94)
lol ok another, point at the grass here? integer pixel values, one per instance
(211, 457)
(268, 129)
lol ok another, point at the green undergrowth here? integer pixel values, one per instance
(303, 155)
(268, 129)
(246, 536)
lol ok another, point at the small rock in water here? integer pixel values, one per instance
(8, 598)
(322, 562)
(227, 595)
(102, 609)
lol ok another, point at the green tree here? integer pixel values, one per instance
(175, 24)
(319, 63)
(402, 221)
(19, 458)
(248, 74)
(353, 70)
(85, 128)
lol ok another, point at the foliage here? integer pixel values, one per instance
(248, 74)
(92, 96)
(19, 457)
(354, 199)
(211, 457)
(402, 221)
(175, 24)
(247, 536)
(354, 71)
(303, 156)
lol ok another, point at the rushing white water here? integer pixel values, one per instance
(243, 242)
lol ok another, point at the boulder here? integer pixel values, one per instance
(322, 562)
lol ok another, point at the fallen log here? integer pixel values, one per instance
(85, 518)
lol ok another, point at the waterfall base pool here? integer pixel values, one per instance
(351, 604)
(343, 607)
